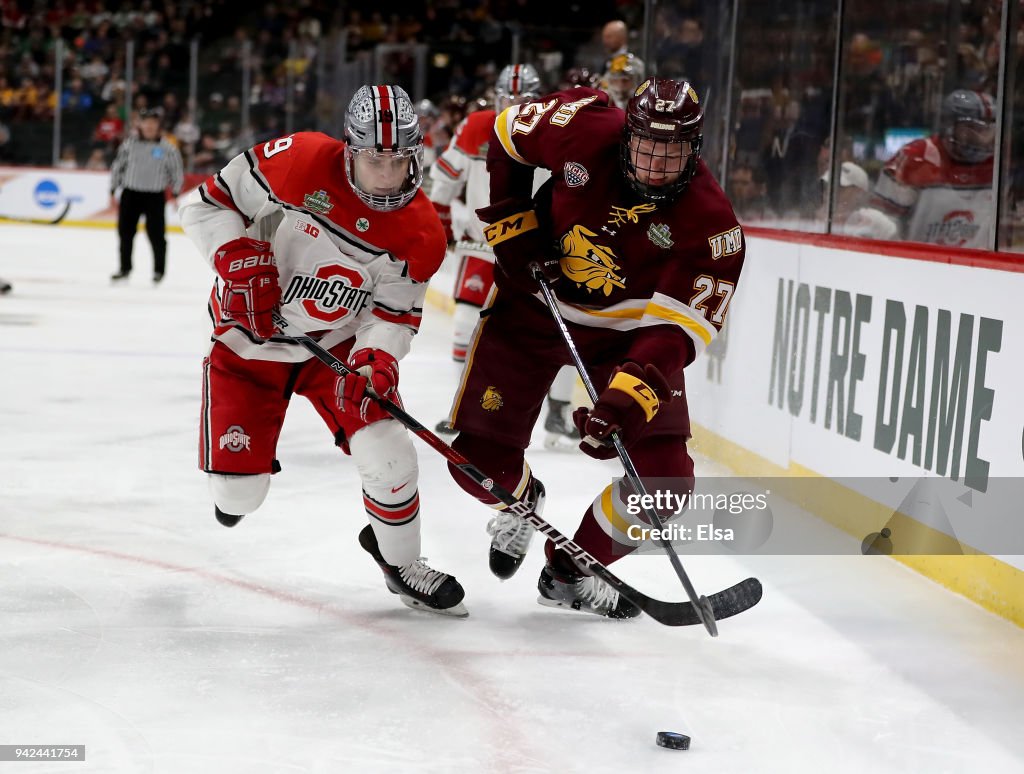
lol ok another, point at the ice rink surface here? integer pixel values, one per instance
(131, 622)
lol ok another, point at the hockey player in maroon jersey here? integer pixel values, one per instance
(645, 251)
(340, 239)
(461, 170)
(939, 189)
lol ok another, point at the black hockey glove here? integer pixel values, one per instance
(518, 239)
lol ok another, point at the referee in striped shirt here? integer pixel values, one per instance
(146, 165)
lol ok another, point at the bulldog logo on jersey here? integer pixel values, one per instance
(575, 174)
(492, 400)
(328, 294)
(588, 264)
(235, 439)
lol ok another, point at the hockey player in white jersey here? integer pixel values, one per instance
(938, 189)
(461, 171)
(339, 238)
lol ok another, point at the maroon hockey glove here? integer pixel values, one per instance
(377, 375)
(251, 291)
(518, 240)
(631, 400)
(444, 212)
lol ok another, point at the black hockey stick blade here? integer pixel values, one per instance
(39, 221)
(725, 604)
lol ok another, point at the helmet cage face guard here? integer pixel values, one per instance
(968, 126)
(666, 112)
(381, 121)
(389, 201)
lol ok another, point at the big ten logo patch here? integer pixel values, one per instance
(307, 228)
(329, 293)
(727, 243)
(235, 439)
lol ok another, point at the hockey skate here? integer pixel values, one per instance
(417, 585)
(585, 593)
(562, 434)
(227, 519)
(511, 536)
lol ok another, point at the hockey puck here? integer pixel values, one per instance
(673, 741)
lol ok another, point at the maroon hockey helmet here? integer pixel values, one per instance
(670, 114)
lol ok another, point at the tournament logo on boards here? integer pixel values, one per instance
(492, 400)
(575, 174)
(235, 439)
(318, 201)
(330, 293)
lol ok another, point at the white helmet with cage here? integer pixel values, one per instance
(516, 83)
(383, 147)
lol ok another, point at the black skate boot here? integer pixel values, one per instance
(417, 585)
(562, 434)
(511, 535)
(227, 519)
(560, 586)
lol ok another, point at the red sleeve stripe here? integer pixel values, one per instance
(447, 168)
(412, 319)
(402, 513)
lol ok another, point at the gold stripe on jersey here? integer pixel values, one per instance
(501, 128)
(643, 313)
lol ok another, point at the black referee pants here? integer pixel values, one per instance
(133, 205)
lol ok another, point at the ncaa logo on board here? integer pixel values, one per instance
(575, 174)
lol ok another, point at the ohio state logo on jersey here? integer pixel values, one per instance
(330, 293)
(956, 229)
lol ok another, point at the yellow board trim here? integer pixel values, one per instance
(985, 580)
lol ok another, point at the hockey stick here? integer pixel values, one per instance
(39, 221)
(725, 603)
(702, 605)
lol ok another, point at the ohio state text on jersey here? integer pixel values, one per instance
(345, 270)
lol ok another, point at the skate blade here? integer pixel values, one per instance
(557, 442)
(455, 611)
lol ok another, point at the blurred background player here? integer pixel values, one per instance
(461, 171)
(428, 115)
(645, 251)
(938, 189)
(624, 74)
(338, 236)
(146, 165)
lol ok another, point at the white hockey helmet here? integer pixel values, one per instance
(381, 121)
(516, 83)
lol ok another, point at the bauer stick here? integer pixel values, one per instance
(725, 603)
(702, 605)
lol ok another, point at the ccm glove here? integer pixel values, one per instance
(376, 375)
(251, 291)
(517, 240)
(631, 400)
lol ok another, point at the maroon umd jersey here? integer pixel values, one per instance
(662, 272)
